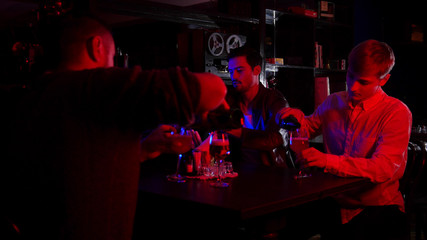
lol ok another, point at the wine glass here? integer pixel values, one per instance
(185, 138)
(219, 148)
(298, 143)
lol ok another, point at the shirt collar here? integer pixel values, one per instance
(370, 102)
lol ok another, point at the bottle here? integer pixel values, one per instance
(121, 59)
(188, 165)
(199, 160)
(290, 123)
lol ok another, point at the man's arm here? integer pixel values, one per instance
(388, 160)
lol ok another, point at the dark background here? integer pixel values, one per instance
(391, 21)
(156, 44)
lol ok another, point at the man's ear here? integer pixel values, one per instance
(257, 70)
(95, 48)
(384, 80)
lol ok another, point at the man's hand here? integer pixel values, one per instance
(160, 140)
(312, 157)
(285, 112)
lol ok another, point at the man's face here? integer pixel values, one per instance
(362, 87)
(242, 75)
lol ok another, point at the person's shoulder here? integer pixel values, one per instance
(340, 94)
(271, 96)
(396, 104)
(115, 70)
(91, 72)
(393, 108)
(114, 75)
(337, 97)
(270, 91)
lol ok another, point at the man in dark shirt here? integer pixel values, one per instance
(261, 138)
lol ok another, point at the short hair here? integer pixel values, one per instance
(372, 56)
(77, 30)
(68, 34)
(253, 56)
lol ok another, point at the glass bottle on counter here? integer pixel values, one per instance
(121, 59)
(188, 165)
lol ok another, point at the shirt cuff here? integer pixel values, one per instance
(332, 163)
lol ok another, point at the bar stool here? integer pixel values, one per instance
(413, 172)
(412, 187)
(419, 202)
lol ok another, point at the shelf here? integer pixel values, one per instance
(164, 12)
(326, 23)
(318, 71)
(273, 15)
(274, 67)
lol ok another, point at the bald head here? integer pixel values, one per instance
(85, 43)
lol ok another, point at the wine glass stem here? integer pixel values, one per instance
(178, 165)
(219, 173)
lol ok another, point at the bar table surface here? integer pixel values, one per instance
(257, 192)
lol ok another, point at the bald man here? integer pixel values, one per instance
(79, 141)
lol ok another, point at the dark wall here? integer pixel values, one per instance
(393, 22)
(151, 45)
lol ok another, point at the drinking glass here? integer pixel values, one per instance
(185, 137)
(298, 143)
(219, 149)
